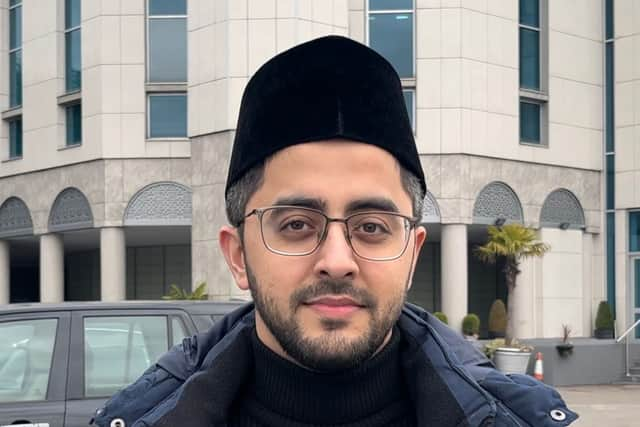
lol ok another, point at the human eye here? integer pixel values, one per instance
(371, 226)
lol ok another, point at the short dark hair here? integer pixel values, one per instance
(239, 193)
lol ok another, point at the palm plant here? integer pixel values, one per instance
(514, 243)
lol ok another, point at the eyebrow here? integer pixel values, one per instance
(372, 203)
(366, 204)
(303, 202)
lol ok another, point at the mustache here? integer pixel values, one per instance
(332, 287)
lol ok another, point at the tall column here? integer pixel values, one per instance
(51, 268)
(454, 273)
(5, 278)
(113, 259)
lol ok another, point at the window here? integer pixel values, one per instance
(609, 157)
(15, 53)
(117, 350)
(634, 231)
(73, 74)
(533, 97)
(409, 101)
(167, 115)
(15, 139)
(391, 33)
(74, 124)
(177, 331)
(530, 122)
(26, 352)
(166, 65)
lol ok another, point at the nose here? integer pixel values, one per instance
(335, 258)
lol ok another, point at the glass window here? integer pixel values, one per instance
(167, 116)
(26, 351)
(609, 19)
(530, 122)
(530, 13)
(390, 4)
(72, 60)
(15, 28)
(409, 99)
(15, 78)
(15, 139)
(119, 349)
(609, 93)
(610, 181)
(391, 34)
(168, 50)
(529, 59)
(72, 13)
(634, 232)
(167, 7)
(74, 124)
(178, 331)
(611, 260)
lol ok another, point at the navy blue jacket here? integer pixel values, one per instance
(450, 382)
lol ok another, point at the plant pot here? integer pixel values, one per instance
(511, 360)
(606, 334)
(565, 349)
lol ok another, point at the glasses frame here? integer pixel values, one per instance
(259, 212)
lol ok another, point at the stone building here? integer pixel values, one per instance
(118, 118)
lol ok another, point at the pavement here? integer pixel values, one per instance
(604, 405)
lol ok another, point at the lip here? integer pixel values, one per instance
(334, 306)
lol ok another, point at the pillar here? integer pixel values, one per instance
(5, 278)
(51, 268)
(113, 258)
(454, 273)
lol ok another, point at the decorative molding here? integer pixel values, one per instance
(430, 210)
(497, 200)
(15, 218)
(562, 207)
(70, 211)
(161, 203)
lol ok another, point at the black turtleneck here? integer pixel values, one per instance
(280, 393)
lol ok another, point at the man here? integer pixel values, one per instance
(324, 193)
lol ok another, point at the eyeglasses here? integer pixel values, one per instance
(298, 231)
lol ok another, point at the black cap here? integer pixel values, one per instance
(331, 87)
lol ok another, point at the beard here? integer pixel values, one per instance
(331, 351)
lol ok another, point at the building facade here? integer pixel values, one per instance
(118, 119)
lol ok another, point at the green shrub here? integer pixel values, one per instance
(604, 318)
(177, 293)
(498, 318)
(471, 324)
(442, 317)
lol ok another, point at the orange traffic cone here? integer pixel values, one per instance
(538, 371)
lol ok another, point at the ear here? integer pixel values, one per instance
(420, 237)
(231, 246)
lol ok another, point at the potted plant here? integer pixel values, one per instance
(497, 319)
(565, 348)
(441, 317)
(604, 322)
(471, 326)
(513, 242)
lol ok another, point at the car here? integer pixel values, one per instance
(60, 362)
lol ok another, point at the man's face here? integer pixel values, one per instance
(331, 309)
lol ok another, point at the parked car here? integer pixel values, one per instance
(60, 362)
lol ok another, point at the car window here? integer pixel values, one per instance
(178, 330)
(26, 350)
(119, 349)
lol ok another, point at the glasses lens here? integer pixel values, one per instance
(292, 231)
(378, 235)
